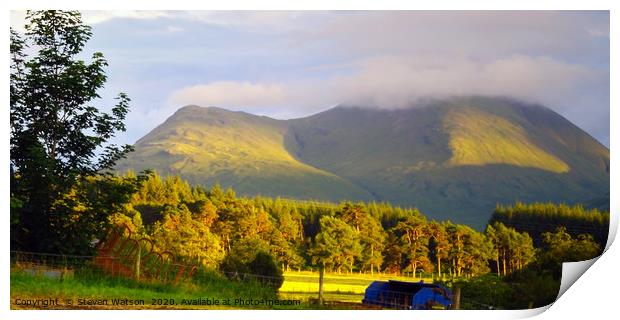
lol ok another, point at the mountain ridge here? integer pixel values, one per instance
(434, 157)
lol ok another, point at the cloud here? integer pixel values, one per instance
(291, 64)
(481, 34)
(253, 20)
(389, 59)
(397, 81)
(248, 20)
(18, 18)
(173, 29)
(231, 95)
(94, 17)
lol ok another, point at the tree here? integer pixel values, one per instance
(284, 251)
(336, 246)
(478, 252)
(353, 215)
(440, 243)
(456, 235)
(372, 237)
(370, 231)
(188, 238)
(393, 253)
(501, 238)
(492, 235)
(414, 238)
(522, 252)
(57, 137)
(83, 215)
(470, 250)
(561, 247)
(514, 249)
(538, 218)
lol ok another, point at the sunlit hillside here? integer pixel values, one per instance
(452, 158)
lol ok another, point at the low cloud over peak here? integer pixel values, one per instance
(288, 64)
(396, 81)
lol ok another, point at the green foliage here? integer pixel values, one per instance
(58, 140)
(377, 236)
(439, 245)
(469, 251)
(512, 250)
(532, 287)
(414, 237)
(561, 247)
(521, 290)
(265, 265)
(247, 262)
(187, 238)
(483, 292)
(337, 246)
(84, 214)
(538, 218)
(537, 284)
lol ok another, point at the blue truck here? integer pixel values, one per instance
(394, 294)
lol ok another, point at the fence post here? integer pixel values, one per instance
(321, 274)
(456, 298)
(138, 261)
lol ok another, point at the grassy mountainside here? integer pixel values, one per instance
(452, 158)
(456, 158)
(236, 149)
(478, 138)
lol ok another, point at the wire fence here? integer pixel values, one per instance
(342, 291)
(46, 264)
(63, 266)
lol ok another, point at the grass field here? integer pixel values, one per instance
(92, 287)
(337, 287)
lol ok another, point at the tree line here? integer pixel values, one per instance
(538, 218)
(220, 230)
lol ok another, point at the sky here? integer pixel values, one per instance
(289, 64)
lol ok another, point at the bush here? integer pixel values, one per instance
(234, 267)
(262, 268)
(266, 267)
(482, 292)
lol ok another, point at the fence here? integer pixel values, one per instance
(63, 266)
(340, 291)
(47, 264)
(121, 254)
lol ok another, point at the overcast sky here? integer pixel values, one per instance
(292, 64)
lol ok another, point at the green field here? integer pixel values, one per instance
(92, 286)
(336, 287)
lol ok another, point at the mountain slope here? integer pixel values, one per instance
(452, 158)
(456, 159)
(236, 149)
(478, 138)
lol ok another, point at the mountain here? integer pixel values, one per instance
(452, 158)
(236, 149)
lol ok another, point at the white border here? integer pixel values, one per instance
(594, 294)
